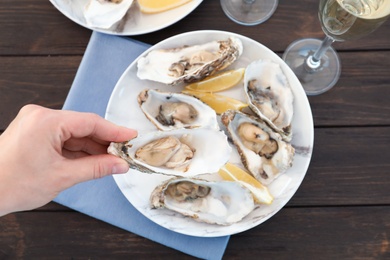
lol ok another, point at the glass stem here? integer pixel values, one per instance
(313, 62)
(247, 5)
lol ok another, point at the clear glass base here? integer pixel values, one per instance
(249, 12)
(314, 81)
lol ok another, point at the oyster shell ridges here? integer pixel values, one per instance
(269, 95)
(264, 167)
(173, 66)
(151, 102)
(222, 203)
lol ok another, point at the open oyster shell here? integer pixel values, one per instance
(263, 151)
(269, 95)
(169, 111)
(188, 63)
(222, 203)
(105, 13)
(200, 151)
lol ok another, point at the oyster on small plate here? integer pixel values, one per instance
(222, 202)
(179, 152)
(105, 13)
(169, 111)
(269, 95)
(263, 151)
(189, 63)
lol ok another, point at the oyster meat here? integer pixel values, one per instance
(269, 95)
(262, 150)
(222, 203)
(179, 152)
(167, 152)
(169, 111)
(188, 63)
(105, 13)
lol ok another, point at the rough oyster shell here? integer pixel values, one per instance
(222, 203)
(269, 95)
(263, 151)
(169, 111)
(189, 63)
(211, 151)
(105, 13)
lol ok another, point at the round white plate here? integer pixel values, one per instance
(123, 109)
(136, 22)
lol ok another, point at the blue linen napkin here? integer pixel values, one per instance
(104, 61)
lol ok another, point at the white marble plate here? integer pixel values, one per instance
(123, 109)
(135, 23)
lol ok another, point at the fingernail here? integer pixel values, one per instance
(120, 168)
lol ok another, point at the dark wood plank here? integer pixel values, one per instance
(36, 27)
(39, 80)
(360, 96)
(53, 206)
(349, 166)
(71, 235)
(293, 233)
(317, 233)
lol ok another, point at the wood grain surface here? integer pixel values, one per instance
(341, 210)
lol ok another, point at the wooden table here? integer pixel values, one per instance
(341, 210)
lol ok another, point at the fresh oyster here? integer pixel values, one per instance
(169, 152)
(105, 13)
(263, 151)
(169, 111)
(179, 152)
(188, 63)
(269, 95)
(222, 203)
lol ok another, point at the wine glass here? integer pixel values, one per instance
(315, 62)
(249, 12)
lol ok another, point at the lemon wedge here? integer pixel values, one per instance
(231, 172)
(217, 102)
(219, 82)
(157, 6)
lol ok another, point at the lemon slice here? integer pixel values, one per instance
(219, 82)
(231, 172)
(157, 6)
(217, 102)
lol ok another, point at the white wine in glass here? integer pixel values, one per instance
(315, 62)
(249, 12)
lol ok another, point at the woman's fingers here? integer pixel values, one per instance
(73, 155)
(87, 124)
(86, 145)
(91, 167)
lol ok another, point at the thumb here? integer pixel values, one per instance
(93, 167)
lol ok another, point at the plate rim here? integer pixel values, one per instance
(191, 8)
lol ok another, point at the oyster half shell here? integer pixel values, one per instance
(263, 151)
(180, 152)
(222, 203)
(269, 95)
(188, 63)
(105, 13)
(169, 111)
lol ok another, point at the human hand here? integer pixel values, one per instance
(44, 151)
